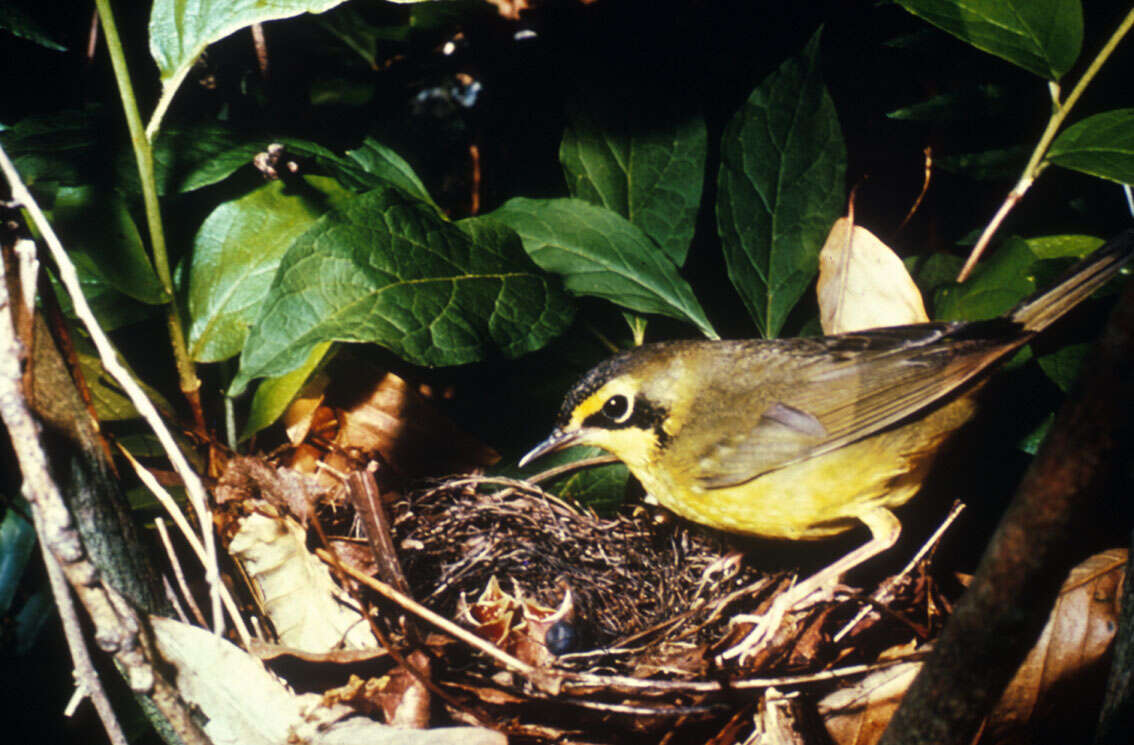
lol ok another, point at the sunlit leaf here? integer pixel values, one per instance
(181, 29)
(235, 255)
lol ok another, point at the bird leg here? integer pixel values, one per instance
(884, 530)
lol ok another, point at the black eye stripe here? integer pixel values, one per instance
(644, 414)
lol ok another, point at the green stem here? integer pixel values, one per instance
(143, 153)
(1036, 162)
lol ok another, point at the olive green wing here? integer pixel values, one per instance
(787, 400)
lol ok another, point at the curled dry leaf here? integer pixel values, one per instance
(1072, 649)
(308, 610)
(244, 704)
(863, 284)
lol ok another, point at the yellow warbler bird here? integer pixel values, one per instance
(803, 438)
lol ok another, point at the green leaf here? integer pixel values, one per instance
(235, 256)
(63, 148)
(1030, 444)
(780, 188)
(108, 398)
(273, 396)
(989, 165)
(190, 158)
(99, 233)
(972, 103)
(181, 29)
(17, 542)
(934, 271)
(1063, 366)
(999, 282)
(383, 163)
(19, 23)
(1063, 246)
(1101, 145)
(1041, 36)
(601, 254)
(111, 308)
(601, 487)
(388, 270)
(648, 167)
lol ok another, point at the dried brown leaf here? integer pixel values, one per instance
(1078, 635)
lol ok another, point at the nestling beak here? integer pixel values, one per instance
(556, 441)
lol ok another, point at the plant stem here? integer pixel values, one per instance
(1036, 163)
(143, 154)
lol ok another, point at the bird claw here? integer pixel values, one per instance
(764, 629)
(799, 598)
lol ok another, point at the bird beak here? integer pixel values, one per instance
(556, 441)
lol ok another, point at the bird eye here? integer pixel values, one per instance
(617, 408)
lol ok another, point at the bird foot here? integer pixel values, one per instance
(798, 598)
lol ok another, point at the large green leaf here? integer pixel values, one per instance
(600, 253)
(181, 29)
(1041, 36)
(648, 167)
(99, 233)
(780, 187)
(236, 253)
(1101, 145)
(387, 269)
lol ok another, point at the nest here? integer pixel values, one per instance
(632, 582)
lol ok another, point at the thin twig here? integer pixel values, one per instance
(166, 501)
(85, 674)
(171, 596)
(1036, 163)
(883, 594)
(261, 45)
(178, 574)
(928, 151)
